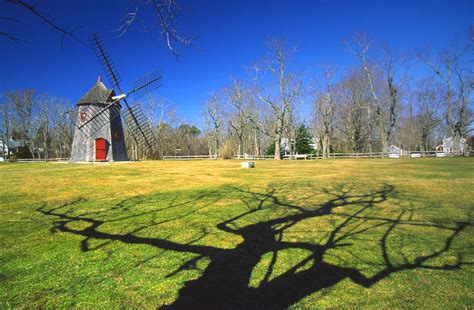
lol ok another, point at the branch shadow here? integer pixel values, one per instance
(224, 283)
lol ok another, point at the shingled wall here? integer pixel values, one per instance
(83, 146)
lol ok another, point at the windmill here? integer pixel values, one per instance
(133, 115)
(98, 126)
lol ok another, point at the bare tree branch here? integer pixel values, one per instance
(166, 12)
(12, 37)
(35, 11)
(10, 19)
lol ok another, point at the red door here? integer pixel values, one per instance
(100, 149)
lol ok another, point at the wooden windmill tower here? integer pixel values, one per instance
(104, 139)
(99, 134)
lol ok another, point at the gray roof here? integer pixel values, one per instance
(13, 144)
(97, 94)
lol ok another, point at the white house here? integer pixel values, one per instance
(285, 145)
(394, 151)
(8, 148)
(314, 144)
(448, 146)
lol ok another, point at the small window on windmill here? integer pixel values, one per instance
(83, 116)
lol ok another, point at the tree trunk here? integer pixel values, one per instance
(385, 137)
(278, 146)
(326, 146)
(257, 147)
(216, 155)
(240, 146)
(456, 145)
(277, 149)
(45, 150)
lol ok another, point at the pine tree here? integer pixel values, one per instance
(304, 139)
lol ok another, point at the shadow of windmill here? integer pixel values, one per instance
(224, 283)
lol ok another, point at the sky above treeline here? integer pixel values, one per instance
(229, 36)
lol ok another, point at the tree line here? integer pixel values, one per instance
(36, 122)
(44, 125)
(410, 100)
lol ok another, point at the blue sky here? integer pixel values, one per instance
(229, 36)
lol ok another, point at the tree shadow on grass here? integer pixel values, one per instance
(225, 281)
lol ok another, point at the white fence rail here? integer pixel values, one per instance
(354, 155)
(39, 160)
(311, 156)
(414, 154)
(191, 157)
(253, 157)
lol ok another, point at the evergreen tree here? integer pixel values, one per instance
(304, 139)
(270, 150)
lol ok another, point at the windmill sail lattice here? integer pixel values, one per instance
(146, 84)
(138, 125)
(135, 119)
(105, 61)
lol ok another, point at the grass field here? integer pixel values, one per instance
(306, 234)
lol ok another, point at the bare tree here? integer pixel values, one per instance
(214, 121)
(22, 102)
(6, 115)
(62, 133)
(290, 128)
(160, 116)
(285, 86)
(324, 113)
(428, 101)
(387, 126)
(44, 125)
(453, 67)
(353, 103)
(258, 122)
(238, 98)
(385, 95)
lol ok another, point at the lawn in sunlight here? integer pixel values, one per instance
(301, 234)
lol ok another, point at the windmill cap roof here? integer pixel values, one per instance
(97, 94)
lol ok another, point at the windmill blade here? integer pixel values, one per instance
(105, 61)
(136, 121)
(138, 126)
(146, 84)
(134, 117)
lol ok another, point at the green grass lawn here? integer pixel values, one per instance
(306, 234)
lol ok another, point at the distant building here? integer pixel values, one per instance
(394, 151)
(448, 146)
(8, 147)
(314, 144)
(285, 145)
